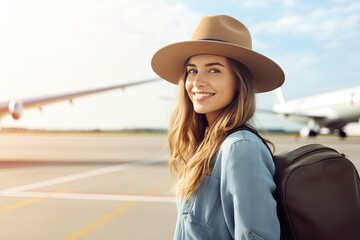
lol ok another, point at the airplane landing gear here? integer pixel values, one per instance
(342, 134)
(308, 132)
(313, 133)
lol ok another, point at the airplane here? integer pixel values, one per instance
(17, 106)
(324, 113)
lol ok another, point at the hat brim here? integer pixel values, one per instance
(169, 61)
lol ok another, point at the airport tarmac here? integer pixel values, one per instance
(98, 186)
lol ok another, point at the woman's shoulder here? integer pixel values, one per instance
(244, 143)
(243, 148)
(242, 137)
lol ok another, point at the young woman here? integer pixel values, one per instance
(224, 176)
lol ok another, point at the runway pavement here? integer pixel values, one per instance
(97, 186)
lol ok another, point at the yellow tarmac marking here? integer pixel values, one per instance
(108, 217)
(22, 204)
(101, 221)
(26, 203)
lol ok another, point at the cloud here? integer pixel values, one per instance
(301, 70)
(253, 4)
(267, 4)
(289, 3)
(331, 26)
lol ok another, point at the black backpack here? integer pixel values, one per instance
(318, 193)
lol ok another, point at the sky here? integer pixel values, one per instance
(51, 47)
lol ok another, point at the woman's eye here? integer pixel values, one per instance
(191, 71)
(214, 70)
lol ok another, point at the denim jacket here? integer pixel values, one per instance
(236, 201)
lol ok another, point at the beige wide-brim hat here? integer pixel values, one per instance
(219, 35)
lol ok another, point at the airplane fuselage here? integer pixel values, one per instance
(331, 110)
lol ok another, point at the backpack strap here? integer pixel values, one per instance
(244, 127)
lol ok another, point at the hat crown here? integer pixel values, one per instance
(223, 28)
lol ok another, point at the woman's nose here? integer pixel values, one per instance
(199, 81)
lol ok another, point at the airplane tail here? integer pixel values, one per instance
(278, 97)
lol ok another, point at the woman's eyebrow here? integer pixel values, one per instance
(190, 65)
(206, 65)
(214, 64)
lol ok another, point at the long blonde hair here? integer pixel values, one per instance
(192, 143)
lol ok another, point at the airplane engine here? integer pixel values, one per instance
(307, 132)
(15, 109)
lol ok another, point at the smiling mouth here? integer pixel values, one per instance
(202, 96)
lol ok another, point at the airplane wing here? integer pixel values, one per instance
(299, 116)
(15, 107)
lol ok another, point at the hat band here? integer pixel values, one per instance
(212, 39)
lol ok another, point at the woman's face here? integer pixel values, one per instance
(210, 84)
